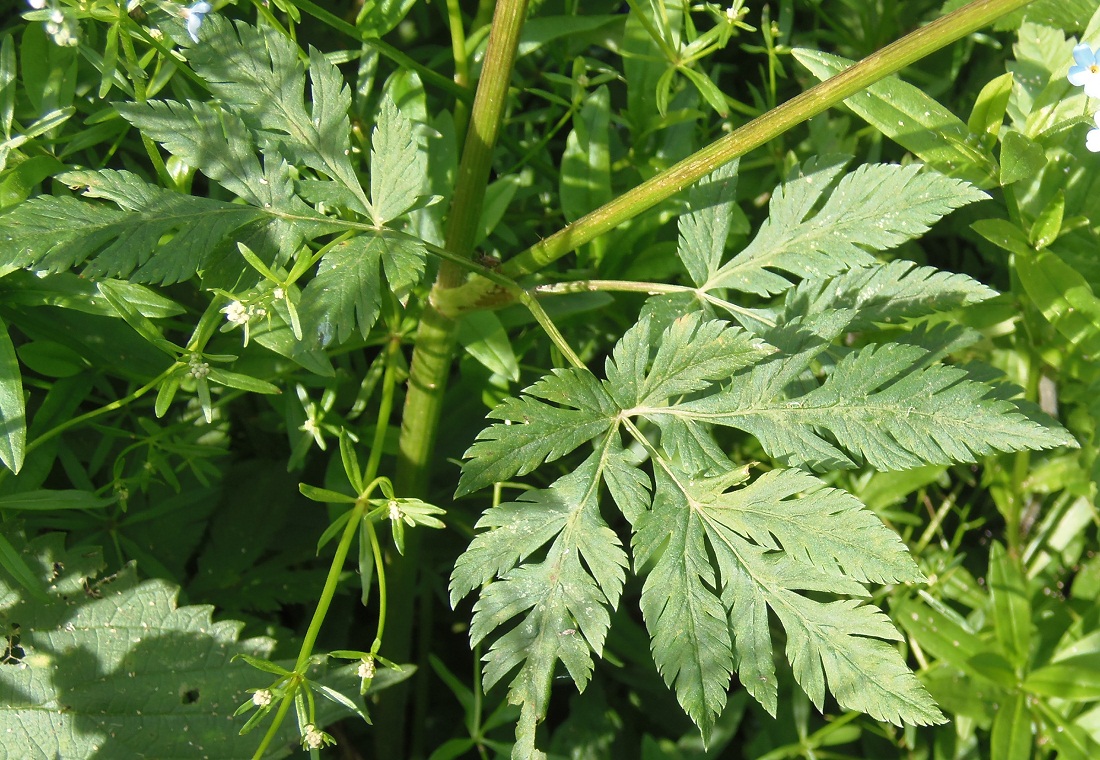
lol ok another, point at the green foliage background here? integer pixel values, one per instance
(797, 460)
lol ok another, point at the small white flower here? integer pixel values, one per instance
(278, 294)
(57, 17)
(395, 511)
(1092, 139)
(262, 697)
(312, 738)
(366, 668)
(236, 312)
(197, 368)
(257, 311)
(37, 4)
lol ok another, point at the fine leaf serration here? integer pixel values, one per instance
(725, 554)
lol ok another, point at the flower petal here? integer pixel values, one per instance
(1084, 55)
(1078, 75)
(194, 21)
(1092, 140)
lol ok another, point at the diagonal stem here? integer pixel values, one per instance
(479, 293)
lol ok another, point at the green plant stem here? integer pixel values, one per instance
(892, 58)
(435, 338)
(462, 64)
(651, 288)
(331, 582)
(435, 342)
(273, 729)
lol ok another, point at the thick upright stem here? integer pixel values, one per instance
(434, 350)
(435, 338)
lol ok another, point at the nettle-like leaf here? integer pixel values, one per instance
(725, 554)
(876, 207)
(258, 70)
(113, 668)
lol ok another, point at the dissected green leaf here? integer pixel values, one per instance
(824, 527)
(348, 289)
(534, 432)
(705, 229)
(218, 143)
(258, 71)
(876, 207)
(564, 603)
(878, 408)
(58, 233)
(691, 354)
(685, 617)
(886, 293)
(726, 557)
(397, 165)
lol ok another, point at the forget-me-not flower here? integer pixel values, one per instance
(194, 15)
(1086, 70)
(1092, 139)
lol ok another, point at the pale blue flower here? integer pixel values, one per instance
(1092, 139)
(194, 16)
(1086, 71)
